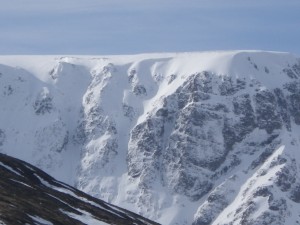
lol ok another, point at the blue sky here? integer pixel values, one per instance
(137, 26)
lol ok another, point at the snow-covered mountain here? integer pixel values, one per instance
(189, 138)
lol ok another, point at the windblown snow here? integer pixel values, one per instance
(180, 138)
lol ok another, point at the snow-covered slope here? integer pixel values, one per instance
(189, 138)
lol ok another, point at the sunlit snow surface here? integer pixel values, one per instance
(73, 117)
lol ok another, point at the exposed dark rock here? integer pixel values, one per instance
(218, 107)
(247, 122)
(80, 136)
(290, 73)
(132, 75)
(285, 179)
(140, 90)
(282, 108)
(192, 186)
(292, 87)
(293, 71)
(295, 193)
(277, 204)
(296, 68)
(263, 192)
(295, 106)
(228, 86)
(172, 78)
(2, 137)
(43, 104)
(267, 70)
(266, 113)
(267, 152)
(199, 82)
(143, 154)
(229, 135)
(128, 111)
(8, 90)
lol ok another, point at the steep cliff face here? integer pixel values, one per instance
(191, 138)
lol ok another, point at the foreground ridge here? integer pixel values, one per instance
(30, 196)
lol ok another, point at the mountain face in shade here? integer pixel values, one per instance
(182, 139)
(30, 196)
